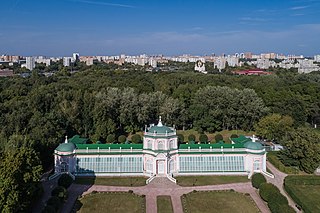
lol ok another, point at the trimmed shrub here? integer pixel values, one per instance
(55, 202)
(267, 190)
(111, 138)
(276, 207)
(180, 138)
(218, 137)
(257, 179)
(60, 192)
(234, 136)
(122, 139)
(279, 198)
(49, 209)
(203, 138)
(136, 138)
(65, 180)
(191, 138)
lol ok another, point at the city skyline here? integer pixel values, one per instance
(97, 27)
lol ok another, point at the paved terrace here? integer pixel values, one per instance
(163, 186)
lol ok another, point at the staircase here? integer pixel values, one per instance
(161, 181)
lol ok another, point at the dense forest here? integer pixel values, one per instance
(37, 112)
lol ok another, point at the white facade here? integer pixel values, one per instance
(30, 63)
(160, 155)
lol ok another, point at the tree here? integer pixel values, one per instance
(218, 137)
(191, 138)
(203, 138)
(136, 138)
(302, 149)
(274, 126)
(180, 138)
(257, 179)
(20, 171)
(111, 138)
(122, 139)
(234, 136)
(65, 180)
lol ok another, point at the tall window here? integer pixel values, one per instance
(149, 166)
(149, 144)
(171, 166)
(64, 167)
(256, 165)
(160, 145)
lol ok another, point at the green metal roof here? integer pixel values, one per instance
(76, 139)
(241, 139)
(66, 147)
(253, 145)
(207, 146)
(160, 129)
(111, 146)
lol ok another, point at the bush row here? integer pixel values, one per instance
(277, 202)
(273, 158)
(257, 179)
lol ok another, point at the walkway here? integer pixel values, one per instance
(163, 186)
(278, 181)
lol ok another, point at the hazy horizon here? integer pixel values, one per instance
(99, 27)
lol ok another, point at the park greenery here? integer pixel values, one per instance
(105, 101)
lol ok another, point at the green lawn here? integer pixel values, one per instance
(305, 191)
(164, 204)
(309, 195)
(113, 202)
(209, 180)
(112, 181)
(218, 201)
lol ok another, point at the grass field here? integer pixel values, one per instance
(119, 202)
(112, 181)
(209, 180)
(218, 201)
(164, 204)
(309, 195)
(305, 191)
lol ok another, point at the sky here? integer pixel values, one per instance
(169, 27)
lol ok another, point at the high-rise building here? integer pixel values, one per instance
(30, 63)
(75, 57)
(67, 61)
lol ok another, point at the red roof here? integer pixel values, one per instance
(252, 72)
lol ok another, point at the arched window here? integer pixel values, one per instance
(160, 145)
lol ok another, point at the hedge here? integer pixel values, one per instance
(275, 207)
(136, 138)
(203, 138)
(60, 192)
(218, 138)
(257, 179)
(191, 138)
(180, 138)
(122, 139)
(65, 180)
(267, 190)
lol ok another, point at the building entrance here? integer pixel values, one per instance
(160, 167)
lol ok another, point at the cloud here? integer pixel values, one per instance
(299, 7)
(103, 3)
